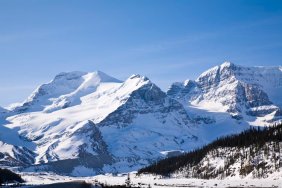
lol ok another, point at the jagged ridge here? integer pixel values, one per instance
(95, 123)
(240, 91)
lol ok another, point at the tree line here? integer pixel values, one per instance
(7, 176)
(254, 138)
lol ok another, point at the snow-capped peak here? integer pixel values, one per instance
(99, 120)
(103, 77)
(135, 81)
(236, 89)
(92, 78)
(64, 86)
(226, 69)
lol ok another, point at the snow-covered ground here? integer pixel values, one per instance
(275, 180)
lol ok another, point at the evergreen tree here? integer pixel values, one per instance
(248, 145)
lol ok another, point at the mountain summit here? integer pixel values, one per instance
(64, 90)
(243, 92)
(91, 122)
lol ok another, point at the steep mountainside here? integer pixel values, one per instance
(249, 94)
(2, 110)
(15, 155)
(87, 123)
(101, 124)
(63, 91)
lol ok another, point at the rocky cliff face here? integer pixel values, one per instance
(93, 122)
(234, 89)
(15, 156)
(106, 126)
(146, 125)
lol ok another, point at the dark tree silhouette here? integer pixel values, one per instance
(255, 138)
(7, 176)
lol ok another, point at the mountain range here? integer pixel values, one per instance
(90, 123)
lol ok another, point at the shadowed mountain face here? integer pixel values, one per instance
(2, 110)
(89, 123)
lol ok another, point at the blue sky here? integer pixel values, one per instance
(166, 40)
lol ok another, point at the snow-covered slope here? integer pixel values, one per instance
(94, 123)
(148, 123)
(15, 156)
(248, 93)
(63, 91)
(91, 120)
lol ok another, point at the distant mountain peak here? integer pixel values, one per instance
(137, 80)
(65, 83)
(103, 77)
(226, 67)
(236, 89)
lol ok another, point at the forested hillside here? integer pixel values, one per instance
(255, 152)
(7, 176)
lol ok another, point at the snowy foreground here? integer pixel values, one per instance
(275, 180)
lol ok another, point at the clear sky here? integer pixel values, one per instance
(166, 40)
